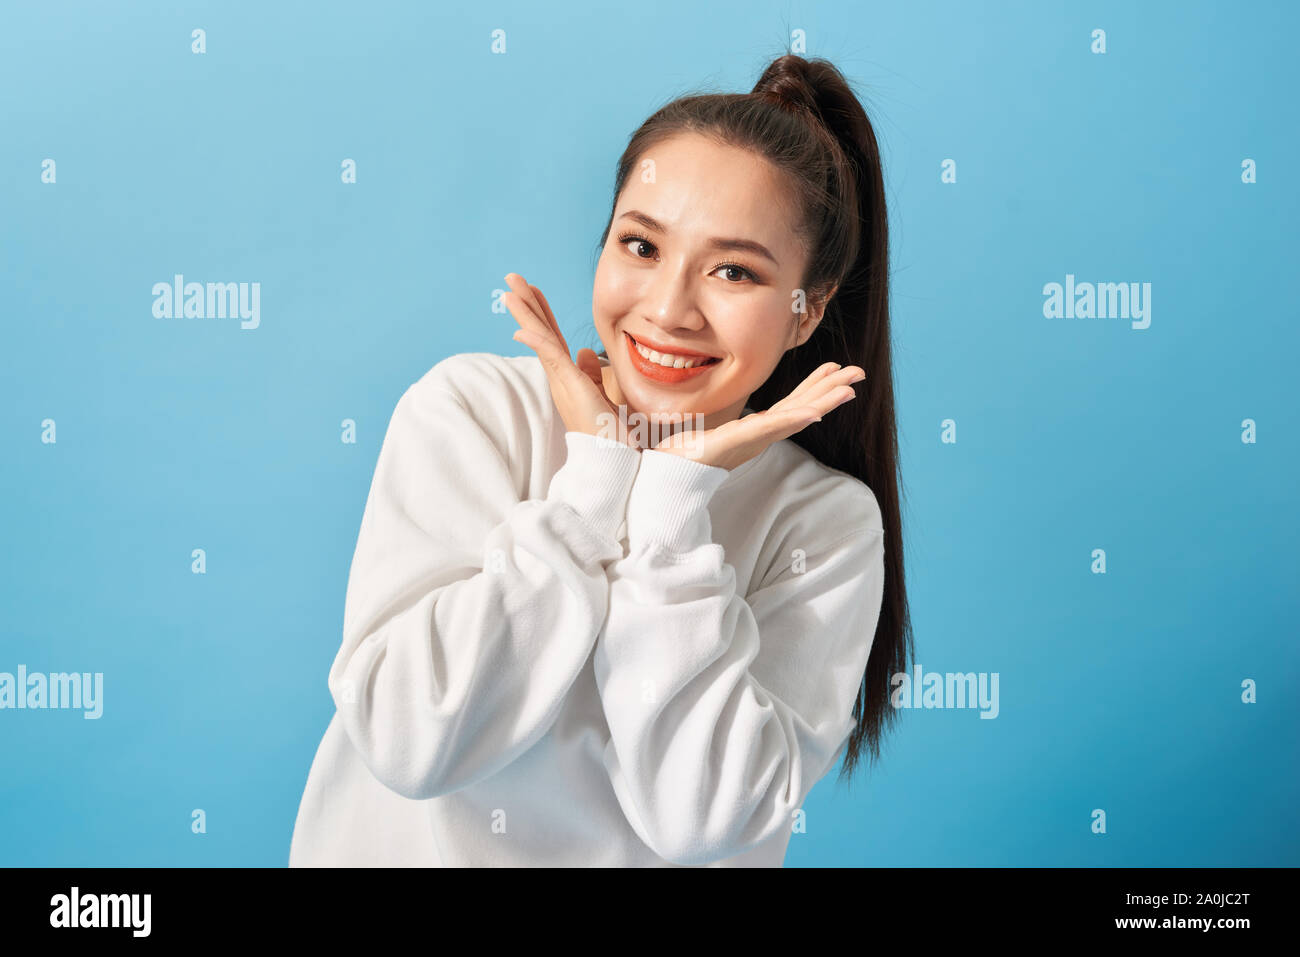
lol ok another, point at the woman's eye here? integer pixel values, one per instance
(634, 242)
(744, 273)
(736, 275)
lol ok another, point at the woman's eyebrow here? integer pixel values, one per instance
(747, 245)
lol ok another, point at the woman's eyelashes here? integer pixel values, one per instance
(637, 237)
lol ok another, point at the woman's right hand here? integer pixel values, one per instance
(578, 388)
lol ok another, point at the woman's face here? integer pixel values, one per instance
(701, 258)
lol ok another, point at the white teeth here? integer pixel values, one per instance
(668, 360)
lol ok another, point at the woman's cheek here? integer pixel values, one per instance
(621, 288)
(770, 328)
(612, 294)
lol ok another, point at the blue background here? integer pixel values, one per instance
(1118, 691)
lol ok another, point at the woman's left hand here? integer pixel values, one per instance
(740, 440)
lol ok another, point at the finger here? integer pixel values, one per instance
(549, 315)
(589, 363)
(523, 313)
(824, 378)
(528, 311)
(817, 375)
(767, 427)
(559, 368)
(547, 349)
(831, 399)
(835, 383)
(827, 393)
(541, 339)
(532, 296)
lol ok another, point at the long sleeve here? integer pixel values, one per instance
(470, 612)
(724, 710)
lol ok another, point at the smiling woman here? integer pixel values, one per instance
(562, 648)
(755, 230)
(711, 269)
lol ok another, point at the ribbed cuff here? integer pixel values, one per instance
(667, 506)
(595, 480)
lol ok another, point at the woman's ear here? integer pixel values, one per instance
(824, 301)
(816, 309)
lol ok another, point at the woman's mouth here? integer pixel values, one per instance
(666, 367)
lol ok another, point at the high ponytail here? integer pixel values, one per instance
(806, 120)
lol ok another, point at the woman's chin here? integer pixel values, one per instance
(663, 413)
(650, 404)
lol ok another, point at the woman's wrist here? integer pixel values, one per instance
(609, 438)
(596, 480)
(668, 504)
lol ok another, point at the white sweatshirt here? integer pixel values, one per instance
(560, 651)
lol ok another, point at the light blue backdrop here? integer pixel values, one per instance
(1119, 691)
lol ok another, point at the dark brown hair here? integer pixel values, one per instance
(806, 120)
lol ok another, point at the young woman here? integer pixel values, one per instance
(565, 645)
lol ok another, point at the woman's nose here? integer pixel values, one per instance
(670, 303)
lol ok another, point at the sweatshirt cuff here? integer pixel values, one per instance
(595, 480)
(667, 506)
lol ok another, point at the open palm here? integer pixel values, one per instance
(578, 387)
(740, 440)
